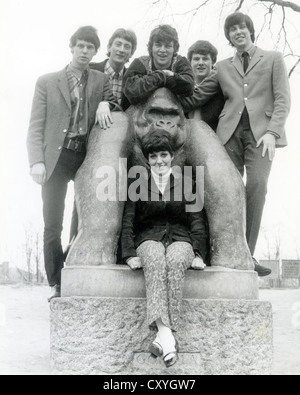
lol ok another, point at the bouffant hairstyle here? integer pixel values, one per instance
(203, 48)
(238, 18)
(165, 34)
(157, 141)
(127, 35)
(86, 33)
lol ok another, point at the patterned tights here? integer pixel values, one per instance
(164, 270)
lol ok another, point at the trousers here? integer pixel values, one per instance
(54, 194)
(243, 152)
(164, 270)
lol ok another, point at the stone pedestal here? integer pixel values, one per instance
(118, 281)
(99, 325)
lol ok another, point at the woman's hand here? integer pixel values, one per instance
(198, 264)
(134, 263)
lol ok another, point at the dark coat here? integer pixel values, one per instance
(101, 66)
(141, 81)
(162, 219)
(212, 110)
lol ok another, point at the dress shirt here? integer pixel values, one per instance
(116, 80)
(79, 119)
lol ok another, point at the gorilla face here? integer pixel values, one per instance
(161, 112)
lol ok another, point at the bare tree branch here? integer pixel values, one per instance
(288, 4)
(294, 67)
(194, 11)
(281, 37)
(240, 5)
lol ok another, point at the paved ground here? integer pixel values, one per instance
(286, 308)
(25, 343)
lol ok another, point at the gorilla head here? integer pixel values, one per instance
(162, 112)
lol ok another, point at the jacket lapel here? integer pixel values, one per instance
(90, 85)
(174, 180)
(238, 64)
(255, 60)
(64, 87)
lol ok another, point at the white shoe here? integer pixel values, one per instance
(169, 348)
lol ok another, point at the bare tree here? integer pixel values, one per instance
(28, 251)
(277, 244)
(272, 243)
(33, 252)
(297, 250)
(268, 244)
(279, 8)
(37, 257)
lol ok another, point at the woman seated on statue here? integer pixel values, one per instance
(162, 238)
(162, 68)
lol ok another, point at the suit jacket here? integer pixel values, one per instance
(263, 89)
(160, 219)
(101, 66)
(51, 114)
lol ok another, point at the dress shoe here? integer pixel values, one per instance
(167, 351)
(55, 293)
(156, 349)
(261, 270)
(170, 359)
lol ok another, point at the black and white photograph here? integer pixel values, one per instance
(149, 206)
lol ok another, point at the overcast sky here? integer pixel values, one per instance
(34, 40)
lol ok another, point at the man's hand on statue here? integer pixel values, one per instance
(198, 264)
(135, 263)
(38, 173)
(169, 73)
(269, 145)
(103, 116)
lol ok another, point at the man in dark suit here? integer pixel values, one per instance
(257, 103)
(65, 106)
(121, 47)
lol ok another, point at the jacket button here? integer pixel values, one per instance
(59, 148)
(65, 130)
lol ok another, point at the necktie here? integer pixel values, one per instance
(245, 56)
(245, 116)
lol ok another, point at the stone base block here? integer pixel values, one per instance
(118, 281)
(110, 336)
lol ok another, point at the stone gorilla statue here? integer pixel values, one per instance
(196, 145)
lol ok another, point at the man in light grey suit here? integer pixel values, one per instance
(64, 110)
(252, 124)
